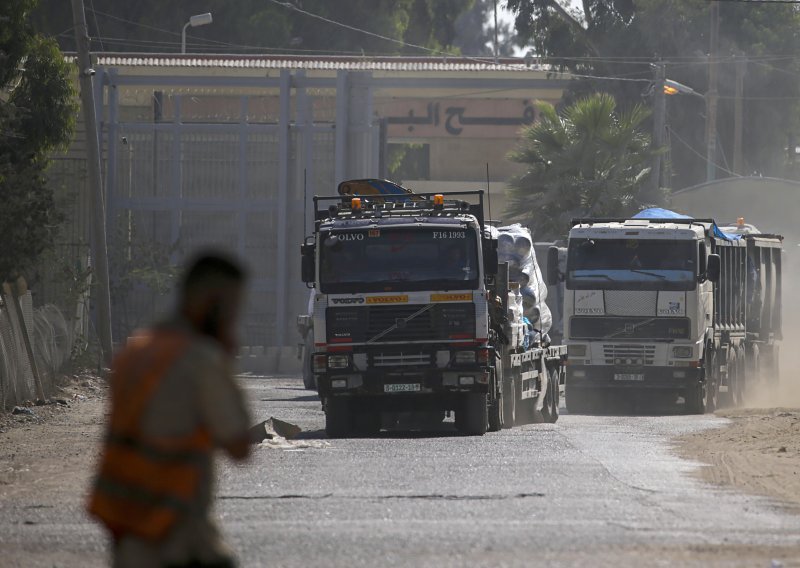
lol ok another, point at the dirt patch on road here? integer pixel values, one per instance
(758, 452)
(46, 451)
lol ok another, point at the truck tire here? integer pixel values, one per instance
(712, 384)
(695, 400)
(337, 417)
(511, 393)
(472, 416)
(579, 401)
(309, 381)
(740, 384)
(367, 423)
(495, 402)
(703, 398)
(551, 402)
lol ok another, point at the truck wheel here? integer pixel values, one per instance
(367, 423)
(510, 396)
(712, 384)
(578, 401)
(309, 381)
(550, 409)
(471, 417)
(337, 417)
(740, 384)
(696, 400)
(495, 403)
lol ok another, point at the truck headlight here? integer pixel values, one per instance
(338, 361)
(465, 357)
(576, 350)
(682, 351)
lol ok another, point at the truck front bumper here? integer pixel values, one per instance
(407, 382)
(633, 378)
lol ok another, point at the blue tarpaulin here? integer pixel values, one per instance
(659, 213)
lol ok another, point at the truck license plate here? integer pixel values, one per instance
(628, 377)
(402, 387)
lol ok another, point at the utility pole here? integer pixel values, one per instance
(496, 46)
(741, 67)
(653, 193)
(102, 297)
(711, 96)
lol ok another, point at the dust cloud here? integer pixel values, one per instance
(786, 393)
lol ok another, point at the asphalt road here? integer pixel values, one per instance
(587, 491)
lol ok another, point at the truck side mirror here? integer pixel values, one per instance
(713, 267)
(553, 276)
(308, 255)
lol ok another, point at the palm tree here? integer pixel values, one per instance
(589, 161)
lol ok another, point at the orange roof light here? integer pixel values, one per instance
(355, 204)
(438, 200)
(740, 221)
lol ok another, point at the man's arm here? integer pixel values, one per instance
(223, 409)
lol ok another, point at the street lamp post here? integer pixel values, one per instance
(674, 88)
(194, 21)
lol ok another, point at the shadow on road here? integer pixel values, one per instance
(306, 398)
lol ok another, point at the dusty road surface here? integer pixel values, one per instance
(587, 491)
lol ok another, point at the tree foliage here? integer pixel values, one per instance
(620, 38)
(261, 26)
(37, 115)
(587, 161)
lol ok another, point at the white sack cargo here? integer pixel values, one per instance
(515, 246)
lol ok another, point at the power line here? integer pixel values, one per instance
(705, 159)
(290, 6)
(96, 25)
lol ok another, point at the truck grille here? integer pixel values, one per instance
(635, 354)
(359, 324)
(627, 328)
(401, 359)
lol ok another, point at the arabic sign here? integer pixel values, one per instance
(484, 118)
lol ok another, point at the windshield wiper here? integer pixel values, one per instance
(400, 322)
(648, 273)
(606, 276)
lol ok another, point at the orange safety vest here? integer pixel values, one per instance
(146, 484)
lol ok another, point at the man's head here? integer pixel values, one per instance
(210, 295)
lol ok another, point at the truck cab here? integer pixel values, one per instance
(400, 307)
(660, 306)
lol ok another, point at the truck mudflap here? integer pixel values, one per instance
(590, 377)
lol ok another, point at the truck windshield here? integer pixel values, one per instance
(399, 259)
(631, 264)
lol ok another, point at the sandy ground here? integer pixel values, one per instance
(759, 452)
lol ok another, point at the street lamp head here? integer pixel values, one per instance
(200, 20)
(674, 88)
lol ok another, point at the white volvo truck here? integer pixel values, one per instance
(669, 306)
(411, 314)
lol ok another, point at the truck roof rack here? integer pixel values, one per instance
(706, 223)
(677, 221)
(403, 205)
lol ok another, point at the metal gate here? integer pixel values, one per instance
(227, 162)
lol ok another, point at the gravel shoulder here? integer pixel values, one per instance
(758, 452)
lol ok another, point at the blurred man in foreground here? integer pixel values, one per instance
(173, 401)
